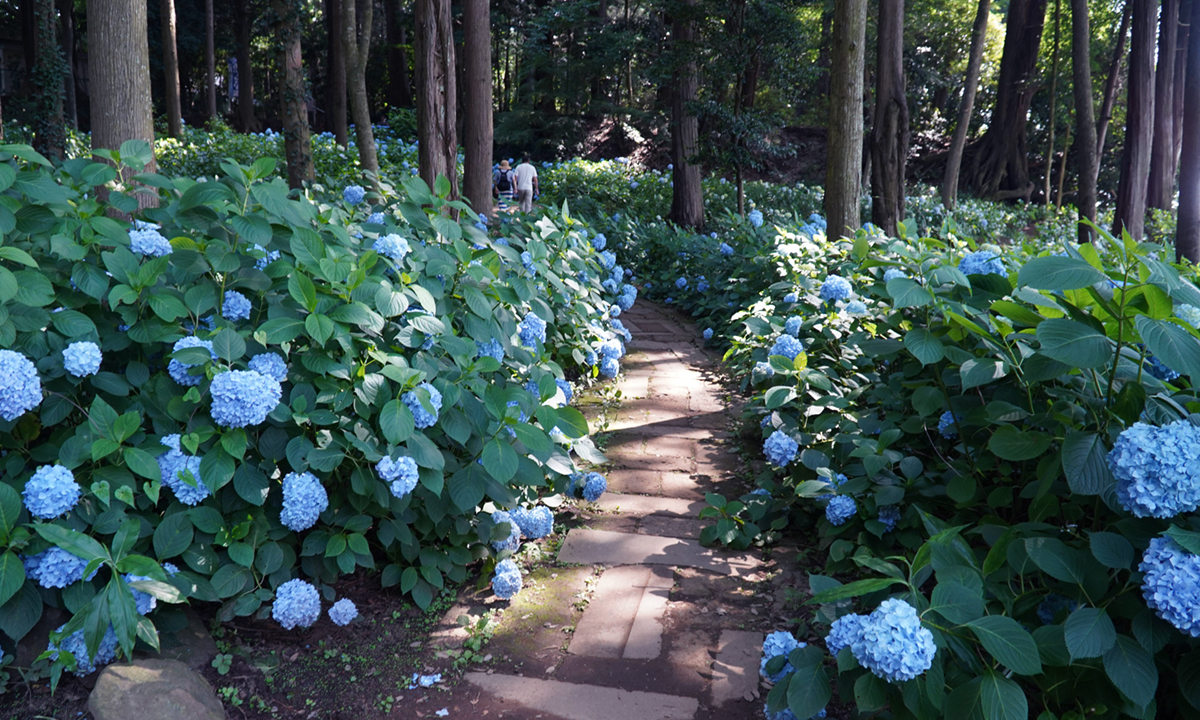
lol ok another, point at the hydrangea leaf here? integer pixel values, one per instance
(1008, 642)
(1074, 343)
(12, 576)
(1088, 633)
(1002, 699)
(1059, 273)
(808, 690)
(1085, 463)
(1131, 668)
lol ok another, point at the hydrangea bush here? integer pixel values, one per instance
(273, 396)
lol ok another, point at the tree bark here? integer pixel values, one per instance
(335, 84)
(210, 62)
(843, 169)
(297, 141)
(166, 14)
(1161, 184)
(437, 153)
(1113, 83)
(246, 116)
(1085, 122)
(1130, 213)
(970, 87)
(687, 199)
(1000, 166)
(1181, 55)
(49, 133)
(889, 132)
(477, 73)
(66, 15)
(356, 44)
(1187, 230)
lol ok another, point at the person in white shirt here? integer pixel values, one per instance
(526, 179)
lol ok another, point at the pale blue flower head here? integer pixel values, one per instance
(791, 298)
(179, 370)
(726, 249)
(506, 582)
(835, 287)
(392, 246)
(376, 218)
(535, 523)
(893, 644)
(20, 386)
(893, 273)
(144, 601)
(780, 449)
(787, 346)
(243, 398)
(840, 509)
(610, 367)
(708, 333)
(424, 417)
(1190, 314)
(1171, 586)
(856, 307)
(51, 492)
(236, 306)
(145, 239)
(983, 262)
(599, 241)
(844, 632)
(353, 194)
(270, 364)
(948, 426)
(607, 260)
(1157, 469)
(304, 499)
(77, 646)
(889, 515)
(57, 568)
(270, 257)
(776, 644)
(297, 604)
(592, 486)
(492, 348)
(764, 369)
(532, 330)
(82, 358)
(792, 326)
(343, 612)
(681, 283)
(401, 474)
(755, 217)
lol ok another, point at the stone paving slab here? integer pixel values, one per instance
(642, 505)
(735, 669)
(645, 636)
(657, 676)
(671, 527)
(609, 617)
(574, 701)
(600, 547)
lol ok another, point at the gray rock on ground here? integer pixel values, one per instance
(153, 690)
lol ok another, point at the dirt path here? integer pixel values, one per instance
(672, 630)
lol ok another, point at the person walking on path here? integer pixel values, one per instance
(502, 184)
(527, 183)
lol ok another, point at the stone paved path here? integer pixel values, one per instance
(647, 646)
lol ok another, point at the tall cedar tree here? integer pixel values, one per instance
(210, 61)
(1000, 165)
(399, 89)
(244, 21)
(50, 135)
(843, 168)
(687, 200)
(1161, 184)
(119, 76)
(297, 139)
(1085, 119)
(437, 153)
(335, 84)
(1187, 231)
(889, 131)
(66, 15)
(970, 87)
(1130, 213)
(356, 46)
(477, 101)
(1182, 39)
(166, 14)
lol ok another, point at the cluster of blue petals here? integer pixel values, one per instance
(20, 386)
(82, 358)
(243, 398)
(835, 287)
(297, 604)
(236, 306)
(175, 466)
(787, 346)
(780, 449)
(422, 417)
(755, 217)
(778, 643)
(532, 330)
(77, 646)
(893, 273)
(1157, 469)
(270, 364)
(144, 601)
(840, 509)
(353, 194)
(983, 262)
(512, 543)
(535, 523)
(343, 612)
(492, 348)
(145, 239)
(892, 644)
(1171, 585)
(889, 515)
(400, 474)
(506, 582)
(304, 499)
(947, 425)
(51, 492)
(179, 370)
(392, 246)
(792, 326)
(56, 568)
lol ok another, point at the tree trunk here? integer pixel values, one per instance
(889, 132)
(66, 14)
(1085, 122)
(335, 84)
(399, 92)
(437, 152)
(166, 15)
(843, 169)
(1181, 55)
(1113, 83)
(1161, 184)
(477, 73)
(1130, 213)
(687, 199)
(1053, 97)
(49, 133)
(246, 117)
(1187, 230)
(970, 87)
(210, 62)
(1000, 166)
(297, 141)
(356, 44)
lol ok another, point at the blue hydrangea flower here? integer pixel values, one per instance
(376, 218)
(242, 398)
(304, 499)
(1053, 604)
(422, 417)
(527, 261)
(506, 582)
(144, 601)
(392, 246)
(179, 370)
(764, 369)
(1190, 314)
(612, 349)
(297, 604)
(708, 333)
(844, 632)
(702, 286)
(615, 311)
(145, 239)
(755, 217)
(170, 569)
(889, 515)
(791, 298)
(780, 449)
(840, 509)
(353, 194)
(893, 644)
(627, 297)
(1171, 585)
(511, 543)
(565, 388)
(778, 643)
(792, 326)
(343, 612)
(401, 474)
(51, 492)
(82, 358)
(592, 486)
(1160, 370)
(57, 568)
(609, 368)
(535, 523)
(681, 283)
(236, 306)
(787, 714)
(948, 426)
(607, 259)
(893, 273)
(983, 262)
(1157, 469)
(835, 287)
(270, 364)
(787, 346)
(726, 249)
(492, 348)
(269, 257)
(856, 307)
(599, 241)
(76, 644)
(20, 386)
(532, 330)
